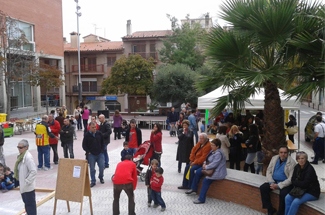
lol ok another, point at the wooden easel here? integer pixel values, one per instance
(69, 186)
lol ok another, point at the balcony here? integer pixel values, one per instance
(89, 90)
(146, 55)
(88, 69)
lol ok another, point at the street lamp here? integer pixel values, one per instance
(79, 83)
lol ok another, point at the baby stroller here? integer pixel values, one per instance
(124, 127)
(142, 156)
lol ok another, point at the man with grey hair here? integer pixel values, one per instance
(197, 157)
(43, 133)
(106, 130)
(93, 145)
(25, 174)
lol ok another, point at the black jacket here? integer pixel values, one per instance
(252, 140)
(106, 130)
(148, 176)
(185, 145)
(307, 180)
(66, 137)
(94, 145)
(139, 135)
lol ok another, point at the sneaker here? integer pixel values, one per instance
(162, 209)
(92, 184)
(39, 168)
(46, 168)
(149, 205)
(155, 206)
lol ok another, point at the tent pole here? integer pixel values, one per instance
(298, 130)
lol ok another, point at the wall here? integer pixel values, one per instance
(46, 15)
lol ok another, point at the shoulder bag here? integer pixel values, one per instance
(292, 130)
(297, 192)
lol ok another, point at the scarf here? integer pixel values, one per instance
(19, 159)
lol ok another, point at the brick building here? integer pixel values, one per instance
(41, 22)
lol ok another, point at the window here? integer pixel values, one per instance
(89, 85)
(20, 35)
(111, 61)
(139, 48)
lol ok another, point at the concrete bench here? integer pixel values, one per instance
(243, 188)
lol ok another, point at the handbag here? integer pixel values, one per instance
(208, 172)
(297, 192)
(292, 130)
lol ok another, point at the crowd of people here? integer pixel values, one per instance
(233, 139)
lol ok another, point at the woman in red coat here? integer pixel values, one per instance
(155, 139)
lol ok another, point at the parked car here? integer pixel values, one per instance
(309, 129)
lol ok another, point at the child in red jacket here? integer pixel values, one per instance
(150, 172)
(156, 182)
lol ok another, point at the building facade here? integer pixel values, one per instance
(97, 56)
(41, 23)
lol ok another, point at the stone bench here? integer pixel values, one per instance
(243, 188)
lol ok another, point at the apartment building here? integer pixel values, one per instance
(146, 44)
(97, 56)
(41, 23)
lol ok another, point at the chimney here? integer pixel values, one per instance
(65, 40)
(207, 19)
(74, 39)
(128, 28)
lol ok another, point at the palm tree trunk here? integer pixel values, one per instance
(274, 136)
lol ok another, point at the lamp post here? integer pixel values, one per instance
(79, 81)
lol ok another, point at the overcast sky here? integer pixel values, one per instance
(145, 15)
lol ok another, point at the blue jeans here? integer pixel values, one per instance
(197, 178)
(92, 159)
(204, 189)
(188, 183)
(7, 187)
(43, 150)
(30, 202)
(292, 204)
(106, 156)
(66, 147)
(133, 150)
(157, 200)
(79, 125)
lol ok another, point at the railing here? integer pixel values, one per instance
(88, 68)
(146, 55)
(87, 89)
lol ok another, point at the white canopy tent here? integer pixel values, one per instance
(208, 101)
(257, 100)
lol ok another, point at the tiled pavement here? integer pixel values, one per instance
(102, 194)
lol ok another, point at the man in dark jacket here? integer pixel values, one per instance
(60, 119)
(173, 118)
(106, 130)
(93, 145)
(66, 136)
(133, 136)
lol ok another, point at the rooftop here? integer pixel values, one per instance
(149, 34)
(96, 46)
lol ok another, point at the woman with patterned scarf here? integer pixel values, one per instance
(25, 174)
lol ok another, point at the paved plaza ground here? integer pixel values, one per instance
(177, 201)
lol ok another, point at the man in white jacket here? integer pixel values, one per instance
(25, 172)
(278, 175)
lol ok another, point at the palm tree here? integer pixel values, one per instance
(265, 47)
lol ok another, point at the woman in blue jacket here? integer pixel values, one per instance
(215, 160)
